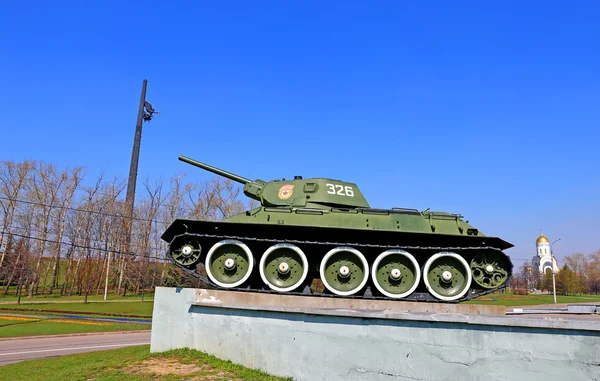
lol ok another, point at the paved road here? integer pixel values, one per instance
(34, 348)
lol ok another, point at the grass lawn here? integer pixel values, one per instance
(531, 299)
(16, 326)
(132, 363)
(124, 308)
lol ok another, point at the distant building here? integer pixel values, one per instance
(544, 260)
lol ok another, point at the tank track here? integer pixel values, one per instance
(367, 293)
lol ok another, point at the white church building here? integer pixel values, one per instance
(544, 260)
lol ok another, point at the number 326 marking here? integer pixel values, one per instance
(340, 190)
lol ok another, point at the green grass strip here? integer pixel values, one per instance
(510, 300)
(37, 327)
(125, 308)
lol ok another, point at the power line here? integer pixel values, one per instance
(9, 232)
(80, 188)
(77, 189)
(82, 210)
(89, 247)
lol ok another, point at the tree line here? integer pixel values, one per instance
(63, 233)
(580, 274)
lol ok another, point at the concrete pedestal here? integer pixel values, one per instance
(340, 343)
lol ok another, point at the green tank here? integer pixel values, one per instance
(317, 228)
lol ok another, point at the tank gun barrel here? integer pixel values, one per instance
(218, 171)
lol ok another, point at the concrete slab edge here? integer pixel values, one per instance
(479, 320)
(239, 297)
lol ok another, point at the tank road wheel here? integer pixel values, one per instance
(186, 251)
(489, 269)
(229, 263)
(283, 267)
(344, 271)
(396, 273)
(447, 276)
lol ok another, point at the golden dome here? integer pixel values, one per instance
(541, 239)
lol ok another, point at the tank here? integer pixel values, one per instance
(324, 229)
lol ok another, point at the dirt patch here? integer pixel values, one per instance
(169, 367)
(163, 367)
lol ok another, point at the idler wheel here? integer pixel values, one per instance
(283, 267)
(186, 251)
(490, 269)
(396, 273)
(229, 263)
(447, 276)
(344, 271)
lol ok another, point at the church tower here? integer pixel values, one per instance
(544, 259)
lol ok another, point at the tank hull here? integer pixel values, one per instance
(371, 236)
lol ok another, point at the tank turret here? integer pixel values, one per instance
(299, 192)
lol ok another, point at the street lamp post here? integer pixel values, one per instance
(553, 273)
(110, 254)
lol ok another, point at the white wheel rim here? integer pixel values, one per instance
(229, 242)
(263, 259)
(412, 260)
(462, 261)
(353, 251)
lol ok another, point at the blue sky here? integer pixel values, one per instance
(488, 109)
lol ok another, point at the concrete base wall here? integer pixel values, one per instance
(338, 344)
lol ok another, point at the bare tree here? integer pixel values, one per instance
(23, 267)
(227, 197)
(80, 232)
(110, 225)
(215, 200)
(593, 272)
(24, 222)
(73, 179)
(89, 274)
(150, 211)
(12, 179)
(44, 192)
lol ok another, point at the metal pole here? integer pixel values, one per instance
(135, 154)
(554, 284)
(107, 272)
(553, 274)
